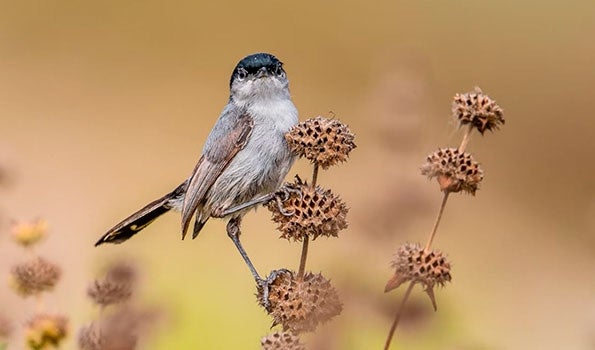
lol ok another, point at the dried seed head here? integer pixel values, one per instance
(477, 109)
(46, 331)
(105, 292)
(89, 338)
(122, 328)
(281, 341)
(5, 328)
(27, 234)
(301, 210)
(321, 140)
(413, 263)
(455, 171)
(121, 272)
(300, 304)
(115, 288)
(35, 276)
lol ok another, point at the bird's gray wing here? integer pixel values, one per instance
(229, 135)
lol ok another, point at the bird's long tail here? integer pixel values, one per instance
(141, 219)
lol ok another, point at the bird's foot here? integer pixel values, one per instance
(264, 285)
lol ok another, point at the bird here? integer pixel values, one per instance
(244, 160)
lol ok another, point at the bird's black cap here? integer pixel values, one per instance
(254, 62)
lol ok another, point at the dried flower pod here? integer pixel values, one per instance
(477, 109)
(301, 210)
(281, 341)
(46, 331)
(115, 288)
(29, 233)
(300, 304)
(106, 292)
(413, 263)
(35, 276)
(122, 329)
(321, 140)
(89, 338)
(454, 170)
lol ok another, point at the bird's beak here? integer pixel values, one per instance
(262, 72)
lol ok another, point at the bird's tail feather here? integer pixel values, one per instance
(141, 219)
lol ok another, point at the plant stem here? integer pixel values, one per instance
(306, 238)
(437, 222)
(465, 140)
(398, 316)
(303, 257)
(315, 175)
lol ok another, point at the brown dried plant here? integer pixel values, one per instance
(34, 278)
(300, 301)
(455, 171)
(119, 324)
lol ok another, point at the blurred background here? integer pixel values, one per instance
(104, 106)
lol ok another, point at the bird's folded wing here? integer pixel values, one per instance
(235, 133)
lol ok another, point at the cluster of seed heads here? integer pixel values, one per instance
(454, 170)
(307, 211)
(323, 141)
(413, 263)
(119, 328)
(478, 110)
(281, 341)
(299, 304)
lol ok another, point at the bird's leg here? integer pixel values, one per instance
(233, 231)
(285, 191)
(246, 205)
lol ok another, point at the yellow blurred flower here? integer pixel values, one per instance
(29, 233)
(46, 331)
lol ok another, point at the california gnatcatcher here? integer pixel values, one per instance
(244, 159)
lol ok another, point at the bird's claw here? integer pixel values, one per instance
(283, 195)
(265, 286)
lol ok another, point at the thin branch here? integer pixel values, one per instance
(437, 222)
(303, 257)
(398, 316)
(306, 241)
(315, 175)
(466, 139)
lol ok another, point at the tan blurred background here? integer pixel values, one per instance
(105, 105)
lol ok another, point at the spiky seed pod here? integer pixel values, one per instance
(413, 263)
(46, 331)
(321, 140)
(106, 292)
(477, 109)
(301, 210)
(281, 341)
(27, 234)
(300, 304)
(35, 276)
(89, 338)
(454, 170)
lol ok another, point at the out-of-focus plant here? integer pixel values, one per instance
(33, 278)
(456, 171)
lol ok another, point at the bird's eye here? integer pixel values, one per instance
(279, 71)
(242, 74)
